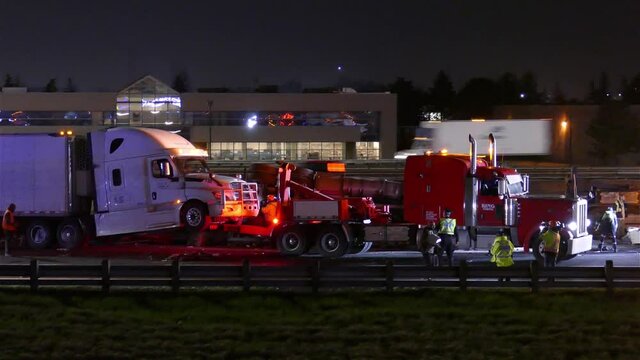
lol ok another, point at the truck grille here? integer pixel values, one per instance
(580, 216)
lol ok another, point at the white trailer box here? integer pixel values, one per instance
(35, 174)
(513, 137)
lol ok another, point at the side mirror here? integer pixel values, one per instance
(525, 185)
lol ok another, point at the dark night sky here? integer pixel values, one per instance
(105, 45)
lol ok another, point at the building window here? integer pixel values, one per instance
(148, 102)
(368, 150)
(44, 118)
(368, 122)
(269, 151)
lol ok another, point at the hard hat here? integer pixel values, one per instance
(502, 232)
(556, 224)
(271, 197)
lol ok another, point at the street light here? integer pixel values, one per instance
(566, 128)
(210, 104)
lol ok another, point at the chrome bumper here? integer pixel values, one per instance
(579, 244)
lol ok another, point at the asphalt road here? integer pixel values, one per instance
(627, 255)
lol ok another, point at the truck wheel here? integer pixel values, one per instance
(332, 243)
(564, 247)
(290, 242)
(193, 216)
(536, 248)
(38, 235)
(69, 234)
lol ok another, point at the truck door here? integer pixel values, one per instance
(490, 208)
(165, 193)
(125, 205)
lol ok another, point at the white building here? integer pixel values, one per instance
(232, 126)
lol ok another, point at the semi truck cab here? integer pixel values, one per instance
(149, 179)
(485, 198)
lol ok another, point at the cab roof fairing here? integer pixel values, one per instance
(145, 141)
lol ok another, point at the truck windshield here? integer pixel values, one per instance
(192, 166)
(515, 185)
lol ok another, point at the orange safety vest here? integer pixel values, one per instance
(270, 211)
(8, 222)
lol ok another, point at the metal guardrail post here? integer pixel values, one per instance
(389, 274)
(34, 272)
(608, 275)
(246, 275)
(315, 276)
(462, 274)
(533, 271)
(175, 275)
(106, 275)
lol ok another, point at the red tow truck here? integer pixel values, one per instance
(339, 216)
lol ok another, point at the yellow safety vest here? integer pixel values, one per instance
(502, 251)
(551, 241)
(447, 226)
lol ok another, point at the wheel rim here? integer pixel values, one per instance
(330, 243)
(39, 234)
(541, 248)
(193, 217)
(67, 234)
(291, 241)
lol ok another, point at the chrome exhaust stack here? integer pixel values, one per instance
(473, 153)
(493, 156)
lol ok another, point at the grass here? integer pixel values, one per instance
(434, 324)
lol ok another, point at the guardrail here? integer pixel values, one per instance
(316, 276)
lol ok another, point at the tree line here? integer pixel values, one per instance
(51, 86)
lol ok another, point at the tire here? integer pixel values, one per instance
(69, 234)
(193, 216)
(291, 242)
(332, 242)
(536, 248)
(38, 235)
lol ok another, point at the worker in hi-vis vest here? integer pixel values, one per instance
(448, 233)
(502, 250)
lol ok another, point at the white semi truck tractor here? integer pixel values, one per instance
(111, 182)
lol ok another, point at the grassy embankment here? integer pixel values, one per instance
(437, 324)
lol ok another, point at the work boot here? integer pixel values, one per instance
(615, 247)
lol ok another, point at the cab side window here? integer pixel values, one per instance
(161, 168)
(489, 187)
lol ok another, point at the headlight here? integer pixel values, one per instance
(572, 226)
(588, 222)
